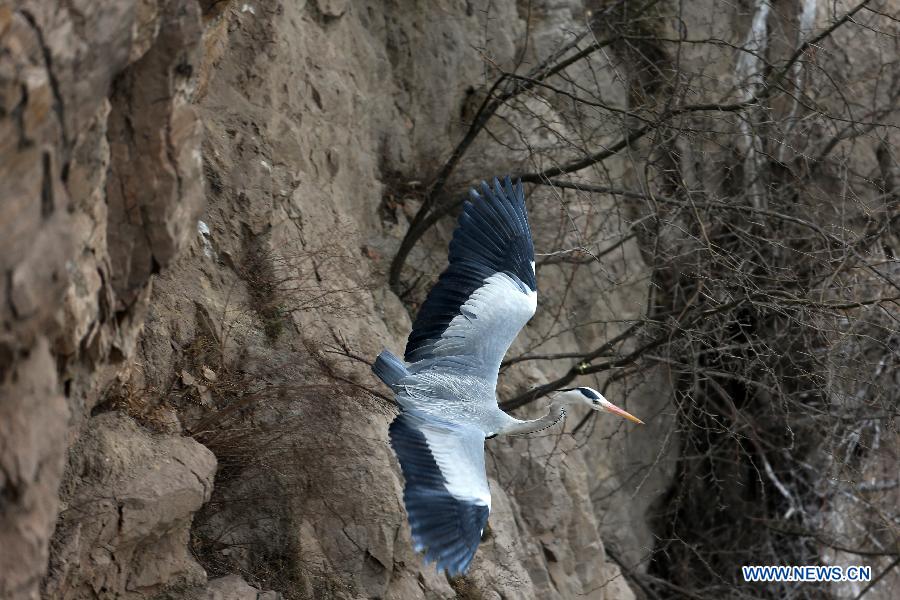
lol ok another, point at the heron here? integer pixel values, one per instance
(446, 384)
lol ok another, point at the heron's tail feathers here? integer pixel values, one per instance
(389, 368)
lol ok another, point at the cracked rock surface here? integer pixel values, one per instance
(73, 294)
(135, 352)
(129, 499)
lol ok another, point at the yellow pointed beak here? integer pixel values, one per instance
(612, 408)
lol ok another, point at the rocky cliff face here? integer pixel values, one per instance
(199, 200)
(82, 235)
(199, 203)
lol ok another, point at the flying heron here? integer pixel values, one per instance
(446, 388)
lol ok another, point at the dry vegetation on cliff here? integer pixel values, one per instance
(186, 409)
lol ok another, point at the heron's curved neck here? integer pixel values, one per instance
(555, 415)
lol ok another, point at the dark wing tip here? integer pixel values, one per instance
(448, 533)
(446, 529)
(493, 235)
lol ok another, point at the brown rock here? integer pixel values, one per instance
(155, 188)
(33, 419)
(130, 497)
(233, 587)
(332, 8)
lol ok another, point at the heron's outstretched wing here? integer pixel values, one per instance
(488, 292)
(446, 494)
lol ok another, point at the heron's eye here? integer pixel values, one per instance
(595, 402)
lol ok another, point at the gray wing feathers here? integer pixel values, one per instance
(479, 337)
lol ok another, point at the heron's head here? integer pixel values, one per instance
(596, 401)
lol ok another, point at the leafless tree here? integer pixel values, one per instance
(758, 176)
